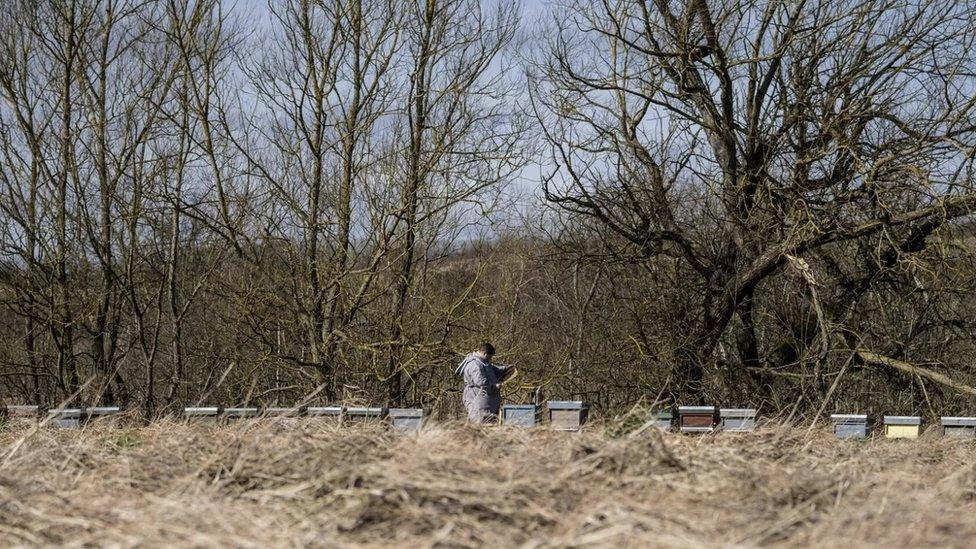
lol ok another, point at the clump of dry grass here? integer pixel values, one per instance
(297, 483)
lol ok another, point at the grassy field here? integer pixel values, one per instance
(280, 484)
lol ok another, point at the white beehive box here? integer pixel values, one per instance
(202, 414)
(406, 420)
(959, 427)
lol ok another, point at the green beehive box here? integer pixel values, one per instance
(662, 418)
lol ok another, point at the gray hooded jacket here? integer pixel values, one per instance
(482, 396)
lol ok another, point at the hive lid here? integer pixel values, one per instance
(902, 420)
(959, 421)
(738, 412)
(66, 413)
(364, 411)
(519, 407)
(324, 410)
(567, 405)
(201, 411)
(406, 412)
(241, 412)
(23, 410)
(696, 409)
(104, 411)
(849, 418)
(297, 411)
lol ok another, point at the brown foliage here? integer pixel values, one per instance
(279, 484)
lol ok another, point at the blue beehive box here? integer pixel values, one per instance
(521, 415)
(406, 420)
(738, 420)
(67, 418)
(568, 415)
(851, 426)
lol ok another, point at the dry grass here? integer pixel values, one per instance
(267, 484)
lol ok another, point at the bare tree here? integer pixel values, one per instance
(322, 84)
(460, 136)
(731, 136)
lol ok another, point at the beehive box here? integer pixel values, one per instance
(853, 426)
(662, 418)
(103, 414)
(23, 413)
(567, 415)
(738, 420)
(364, 415)
(276, 413)
(406, 420)
(67, 418)
(202, 414)
(331, 415)
(902, 426)
(520, 415)
(697, 419)
(959, 427)
(234, 415)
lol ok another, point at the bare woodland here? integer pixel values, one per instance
(744, 202)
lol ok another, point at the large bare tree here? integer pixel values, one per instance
(735, 137)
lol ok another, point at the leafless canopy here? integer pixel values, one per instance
(736, 137)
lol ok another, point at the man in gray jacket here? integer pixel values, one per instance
(482, 384)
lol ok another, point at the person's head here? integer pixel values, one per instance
(486, 350)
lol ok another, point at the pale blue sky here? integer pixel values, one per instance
(523, 190)
(531, 8)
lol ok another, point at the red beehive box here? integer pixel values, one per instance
(697, 419)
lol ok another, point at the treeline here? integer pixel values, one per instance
(743, 202)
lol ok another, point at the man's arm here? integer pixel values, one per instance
(502, 371)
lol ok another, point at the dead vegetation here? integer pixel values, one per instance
(280, 484)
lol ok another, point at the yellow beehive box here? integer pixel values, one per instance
(902, 426)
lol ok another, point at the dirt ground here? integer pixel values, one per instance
(294, 483)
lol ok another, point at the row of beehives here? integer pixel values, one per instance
(562, 414)
(699, 419)
(861, 426)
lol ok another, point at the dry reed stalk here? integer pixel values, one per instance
(289, 483)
